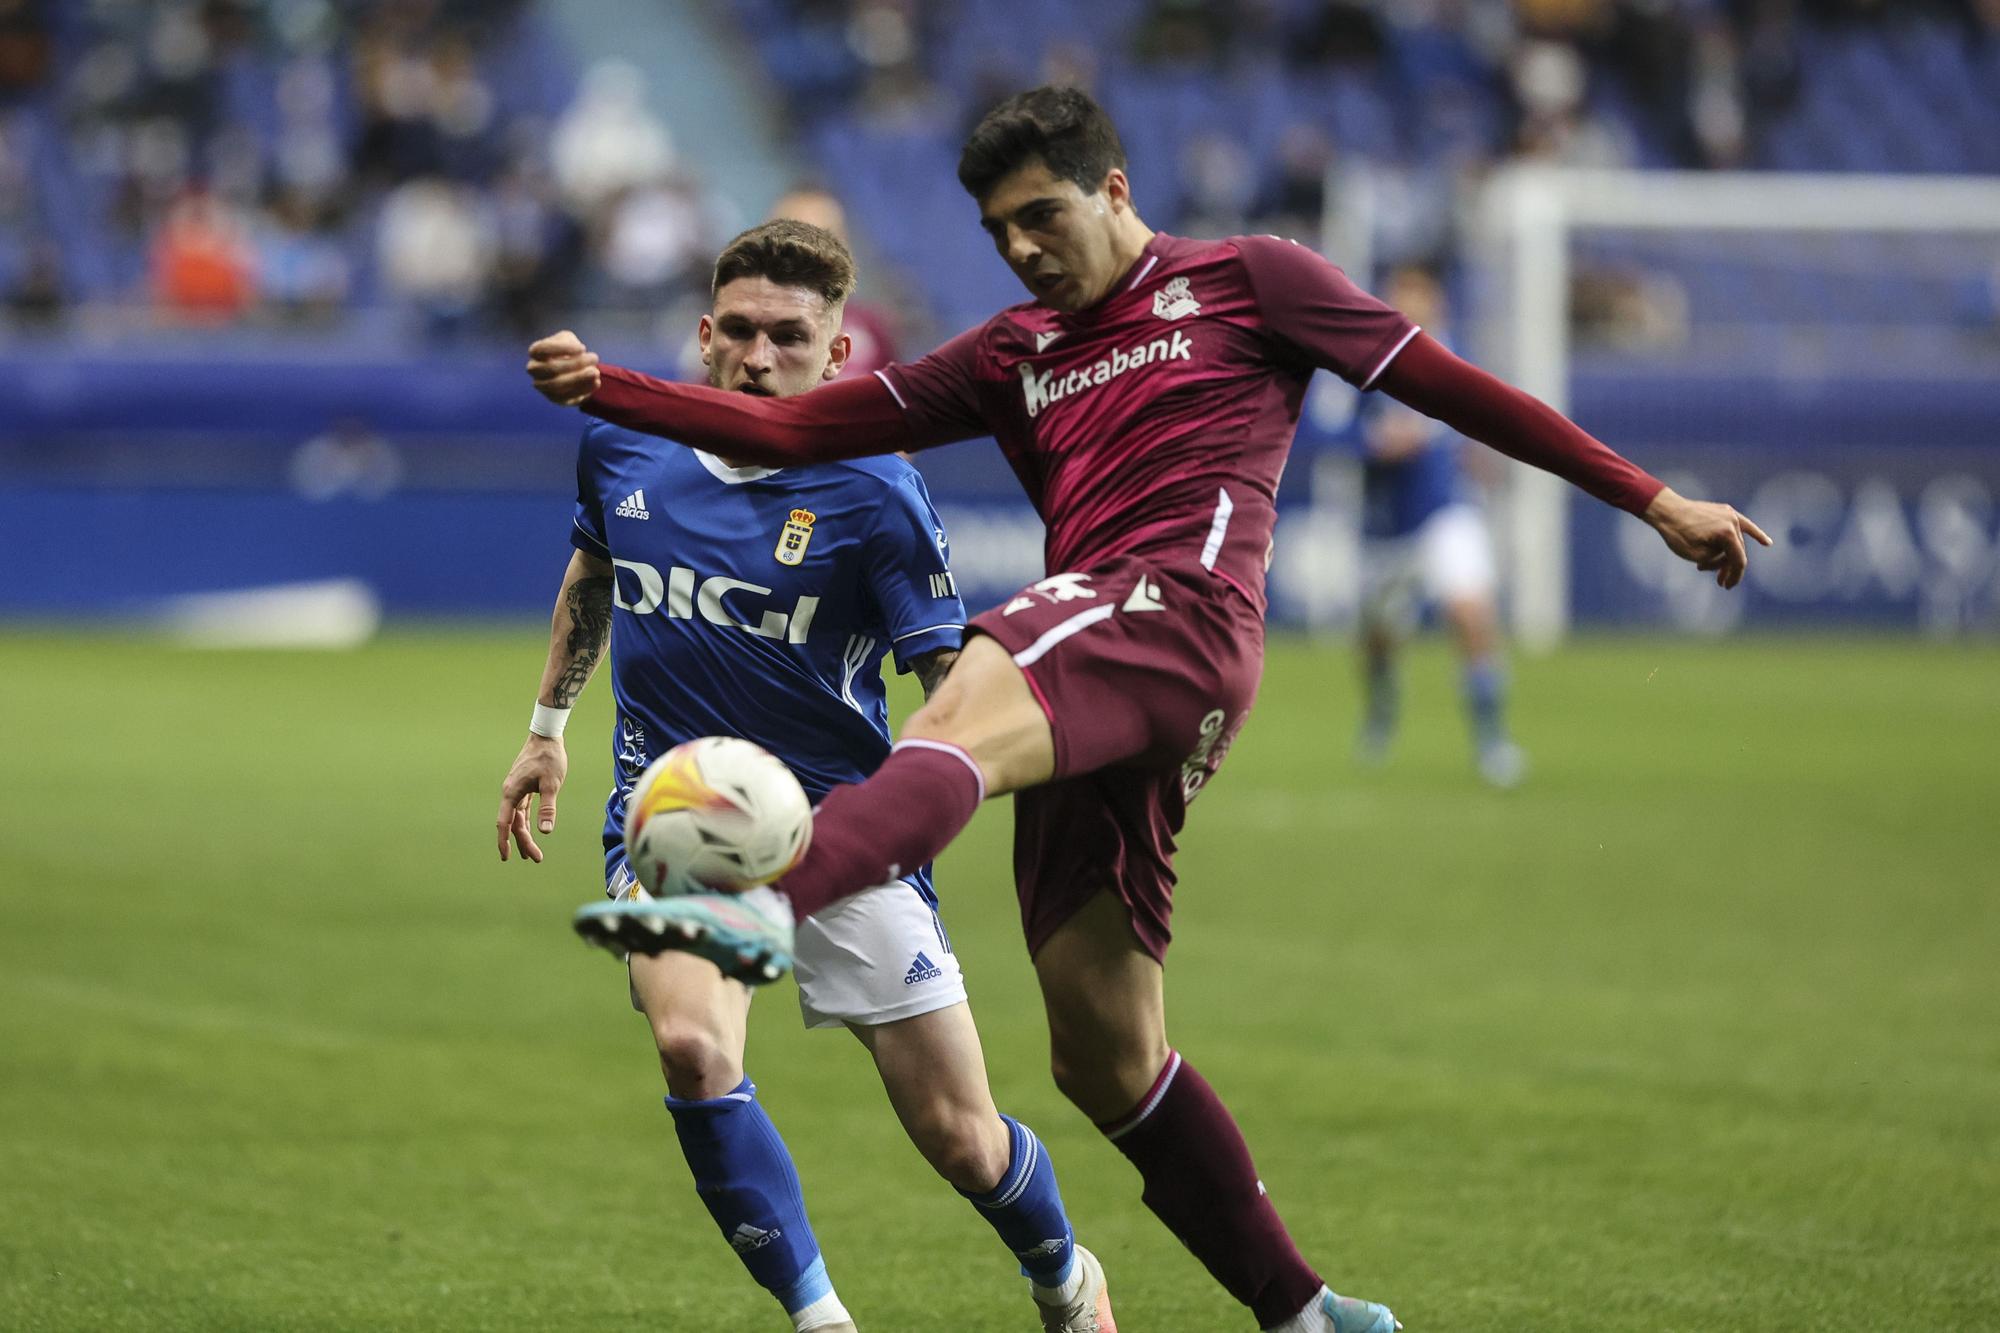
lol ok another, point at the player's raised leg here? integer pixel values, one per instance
(1105, 995)
(742, 1169)
(981, 734)
(935, 1075)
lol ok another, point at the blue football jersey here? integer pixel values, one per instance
(760, 603)
(1397, 496)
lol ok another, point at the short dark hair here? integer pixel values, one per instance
(1062, 126)
(791, 254)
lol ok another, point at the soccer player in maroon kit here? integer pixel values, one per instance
(1146, 398)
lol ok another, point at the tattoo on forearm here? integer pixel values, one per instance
(931, 669)
(589, 630)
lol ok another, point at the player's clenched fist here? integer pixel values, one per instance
(563, 370)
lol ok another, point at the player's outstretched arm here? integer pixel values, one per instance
(1427, 376)
(578, 633)
(845, 419)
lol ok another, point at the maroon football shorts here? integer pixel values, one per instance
(1147, 670)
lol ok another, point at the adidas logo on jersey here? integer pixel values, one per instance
(747, 1238)
(633, 505)
(923, 969)
(1047, 387)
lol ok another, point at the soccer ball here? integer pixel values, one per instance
(715, 814)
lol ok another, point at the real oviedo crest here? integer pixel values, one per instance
(792, 541)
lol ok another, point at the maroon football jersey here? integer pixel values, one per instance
(1158, 420)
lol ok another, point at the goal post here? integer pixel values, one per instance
(1525, 225)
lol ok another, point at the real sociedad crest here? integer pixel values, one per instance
(1174, 301)
(792, 541)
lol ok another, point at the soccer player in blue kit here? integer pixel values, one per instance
(1423, 539)
(755, 602)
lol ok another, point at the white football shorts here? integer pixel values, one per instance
(877, 957)
(1449, 557)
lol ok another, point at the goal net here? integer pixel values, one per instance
(1822, 351)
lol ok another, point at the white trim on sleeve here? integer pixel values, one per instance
(595, 540)
(890, 385)
(1369, 383)
(925, 630)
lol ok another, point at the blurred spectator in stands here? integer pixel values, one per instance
(1068, 64)
(1628, 308)
(307, 154)
(1982, 22)
(1571, 19)
(183, 50)
(1187, 33)
(1340, 32)
(35, 297)
(607, 142)
(871, 326)
(399, 137)
(1221, 183)
(656, 245)
(202, 265)
(1716, 112)
(24, 49)
(434, 245)
(1770, 55)
(1293, 199)
(1556, 124)
(539, 248)
(17, 192)
(347, 461)
(462, 110)
(302, 265)
(897, 92)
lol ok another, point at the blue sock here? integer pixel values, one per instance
(1486, 699)
(1026, 1208)
(744, 1173)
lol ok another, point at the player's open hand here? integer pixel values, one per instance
(537, 773)
(564, 371)
(1708, 534)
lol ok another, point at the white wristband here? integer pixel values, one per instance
(549, 722)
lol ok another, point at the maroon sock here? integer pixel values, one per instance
(901, 818)
(1201, 1183)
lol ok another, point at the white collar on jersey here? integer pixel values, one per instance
(732, 476)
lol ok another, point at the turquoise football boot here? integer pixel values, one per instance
(1348, 1314)
(747, 935)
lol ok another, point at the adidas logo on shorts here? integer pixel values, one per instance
(922, 970)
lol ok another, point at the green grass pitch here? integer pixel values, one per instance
(1700, 1030)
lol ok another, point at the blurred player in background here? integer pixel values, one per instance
(868, 325)
(1146, 398)
(760, 603)
(1424, 540)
